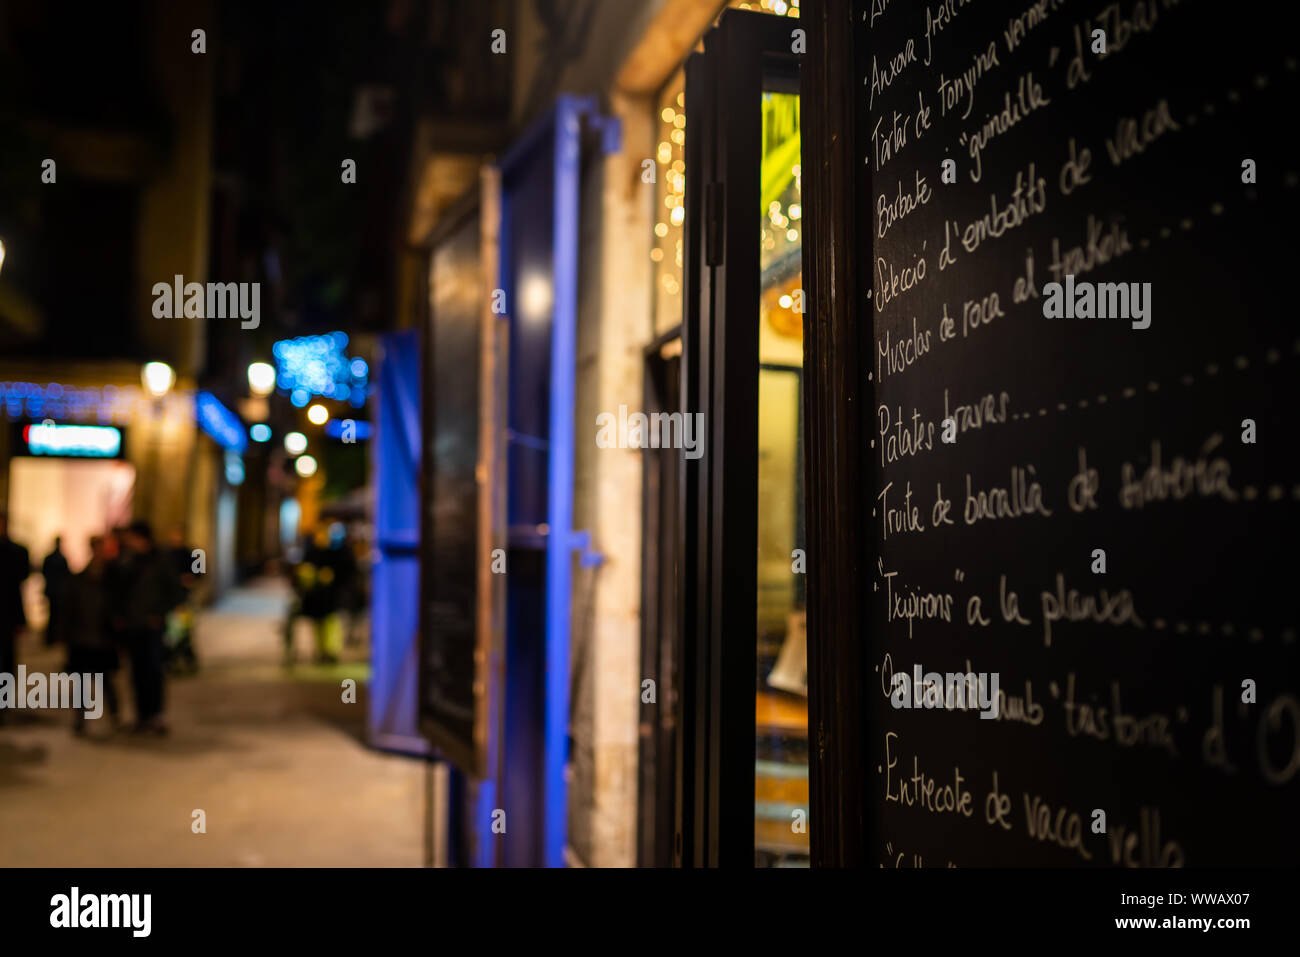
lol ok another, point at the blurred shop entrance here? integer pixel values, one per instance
(71, 498)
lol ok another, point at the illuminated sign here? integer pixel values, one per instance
(118, 405)
(76, 441)
(219, 422)
(348, 429)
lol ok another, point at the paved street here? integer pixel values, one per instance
(273, 757)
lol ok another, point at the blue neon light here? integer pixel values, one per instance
(318, 365)
(361, 430)
(59, 401)
(261, 432)
(219, 422)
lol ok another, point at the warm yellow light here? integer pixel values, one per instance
(295, 443)
(678, 215)
(668, 114)
(157, 378)
(261, 378)
(318, 415)
(305, 466)
(661, 230)
(2, 254)
(535, 296)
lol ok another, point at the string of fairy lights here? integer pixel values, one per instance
(670, 156)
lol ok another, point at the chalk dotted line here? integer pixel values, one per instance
(1240, 363)
(1227, 629)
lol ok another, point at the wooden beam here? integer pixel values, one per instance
(673, 32)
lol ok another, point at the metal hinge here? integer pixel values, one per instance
(588, 556)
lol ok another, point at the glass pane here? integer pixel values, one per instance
(781, 703)
(670, 214)
(670, 177)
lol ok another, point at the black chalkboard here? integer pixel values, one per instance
(449, 567)
(1161, 161)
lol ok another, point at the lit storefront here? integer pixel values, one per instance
(95, 450)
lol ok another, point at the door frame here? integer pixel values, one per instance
(659, 728)
(719, 579)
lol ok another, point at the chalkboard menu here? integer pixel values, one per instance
(1084, 492)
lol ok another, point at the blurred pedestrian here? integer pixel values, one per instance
(57, 577)
(15, 566)
(355, 597)
(319, 579)
(89, 635)
(180, 620)
(151, 590)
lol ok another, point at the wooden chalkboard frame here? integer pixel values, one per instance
(834, 465)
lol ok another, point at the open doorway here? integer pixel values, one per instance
(69, 498)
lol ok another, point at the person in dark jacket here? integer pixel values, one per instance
(89, 635)
(151, 590)
(15, 566)
(57, 577)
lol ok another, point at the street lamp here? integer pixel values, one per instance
(157, 378)
(261, 378)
